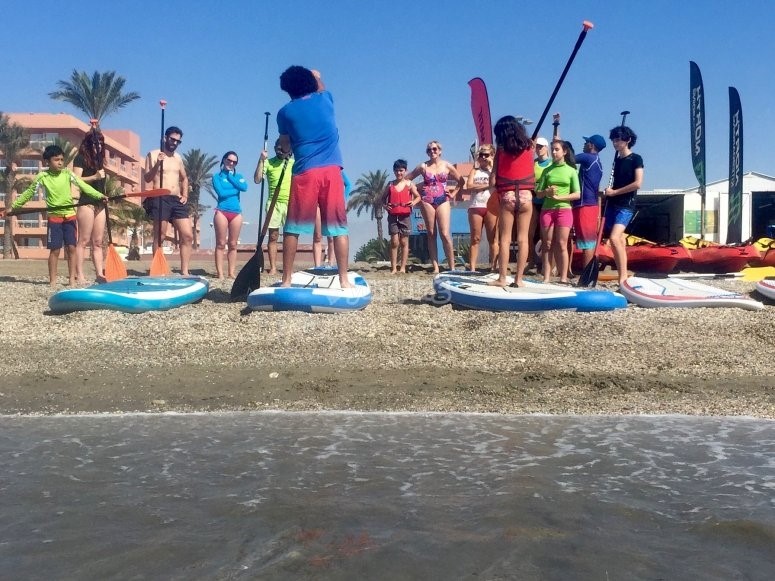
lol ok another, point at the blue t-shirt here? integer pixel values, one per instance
(228, 186)
(590, 174)
(311, 125)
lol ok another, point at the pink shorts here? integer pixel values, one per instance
(560, 217)
(320, 187)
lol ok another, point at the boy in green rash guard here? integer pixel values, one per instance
(55, 183)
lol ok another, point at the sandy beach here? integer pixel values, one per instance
(403, 352)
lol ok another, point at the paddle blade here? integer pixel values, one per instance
(115, 269)
(588, 277)
(757, 273)
(248, 278)
(159, 266)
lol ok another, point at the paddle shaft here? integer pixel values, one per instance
(269, 212)
(582, 36)
(159, 235)
(266, 145)
(91, 202)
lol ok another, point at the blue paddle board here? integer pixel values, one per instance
(313, 291)
(475, 292)
(132, 295)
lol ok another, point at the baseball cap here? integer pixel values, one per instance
(542, 141)
(597, 140)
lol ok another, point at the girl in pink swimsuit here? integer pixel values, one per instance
(435, 197)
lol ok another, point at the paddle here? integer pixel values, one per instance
(749, 274)
(266, 145)
(159, 266)
(146, 194)
(586, 26)
(251, 272)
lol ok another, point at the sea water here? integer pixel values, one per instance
(386, 496)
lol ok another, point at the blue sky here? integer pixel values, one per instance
(398, 71)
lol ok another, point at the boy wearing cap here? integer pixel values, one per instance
(586, 210)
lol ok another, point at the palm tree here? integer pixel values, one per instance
(199, 167)
(97, 96)
(367, 195)
(13, 140)
(131, 218)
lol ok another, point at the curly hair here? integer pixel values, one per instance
(510, 135)
(92, 150)
(623, 133)
(298, 81)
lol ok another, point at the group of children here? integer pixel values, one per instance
(524, 182)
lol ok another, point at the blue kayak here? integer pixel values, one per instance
(313, 291)
(473, 291)
(132, 295)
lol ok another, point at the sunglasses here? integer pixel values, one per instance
(484, 155)
(431, 149)
(229, 160)
(175, 141)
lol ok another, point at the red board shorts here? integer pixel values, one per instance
(61, 231)
(585, 220)
(317, 187)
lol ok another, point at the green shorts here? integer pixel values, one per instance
(279, 214)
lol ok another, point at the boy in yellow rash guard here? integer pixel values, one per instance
(56, 184)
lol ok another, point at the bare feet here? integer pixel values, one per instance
(272, 271)
(502, 282)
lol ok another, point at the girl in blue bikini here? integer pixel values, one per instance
(435, 205)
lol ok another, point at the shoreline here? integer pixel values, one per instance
(402, 354)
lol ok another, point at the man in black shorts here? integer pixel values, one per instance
(170, 208)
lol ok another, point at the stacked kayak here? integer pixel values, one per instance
(680, 292)
(767, 288)
(313, 291)
(766, 249)
(651, 257)
(709, 256)
(132, 295)
(474, 291)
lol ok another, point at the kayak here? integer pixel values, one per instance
(659, 258)
(709, 256)
(132, 294)
(766, 248)
(680, 292)
(767, 288)
(475, 292)
(313, 291)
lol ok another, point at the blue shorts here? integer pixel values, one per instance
(615, 215)
(61, 232)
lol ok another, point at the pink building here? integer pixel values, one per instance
(122, 161)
